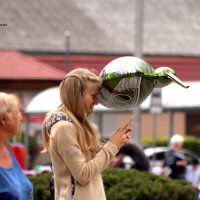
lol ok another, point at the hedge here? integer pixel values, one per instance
(121, 184)
(41, 186)
(136, 185)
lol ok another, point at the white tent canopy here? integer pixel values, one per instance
(173, 97)
(44, 102)
(176, 97)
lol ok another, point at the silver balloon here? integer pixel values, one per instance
(127, 81)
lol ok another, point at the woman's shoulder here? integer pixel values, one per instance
(63, 132)
(61, 128)
(59, 116)
(56, 118)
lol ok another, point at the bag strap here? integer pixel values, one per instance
(56, 118)
(53, 120)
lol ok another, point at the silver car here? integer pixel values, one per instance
(156, 156)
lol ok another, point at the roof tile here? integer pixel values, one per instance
(14, 65)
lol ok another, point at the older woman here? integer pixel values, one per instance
(175, 159)
(14, 185)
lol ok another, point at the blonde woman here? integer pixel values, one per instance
(13, 183)
(77, 156)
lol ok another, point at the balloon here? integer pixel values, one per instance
(127, 81)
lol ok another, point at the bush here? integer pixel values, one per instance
(136, 185)
(130, 184)
(192, 143)
(41, 186)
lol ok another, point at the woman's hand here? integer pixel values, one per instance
(121, 135)
(181, 163)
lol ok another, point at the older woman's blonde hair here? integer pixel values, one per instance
(177, 139)
(71, 92)
(7, 103)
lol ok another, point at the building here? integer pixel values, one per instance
(99, 31)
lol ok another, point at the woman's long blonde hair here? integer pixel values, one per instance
(71, 92)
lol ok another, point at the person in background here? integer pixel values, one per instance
(193, 172)
(193, 175)
(77, 156)
(136, 154)
(174, 158)
(14, 185)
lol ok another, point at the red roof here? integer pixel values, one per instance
(187, 68)
(14, 65)
(74, 61)
(18, 66)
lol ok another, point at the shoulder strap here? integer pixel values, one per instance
(53, 120)
(56, 118)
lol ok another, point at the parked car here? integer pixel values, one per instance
(156, 158)
(156, 155)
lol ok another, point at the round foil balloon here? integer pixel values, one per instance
(127, 81)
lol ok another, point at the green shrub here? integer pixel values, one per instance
(41, 186)
(161, 141)
(135, 185)
(192, 143)
(130, 184)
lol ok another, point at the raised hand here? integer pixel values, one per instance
(121, 135)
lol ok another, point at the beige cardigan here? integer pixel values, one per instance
(67, 159)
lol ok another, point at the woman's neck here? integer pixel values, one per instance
(5, 158)
(2, 143)
(3, 151)
(4, 137)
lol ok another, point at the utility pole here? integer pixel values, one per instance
(138, 53)
(155, 108)
(67, 51)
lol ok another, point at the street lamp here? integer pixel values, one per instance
(138, 53)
